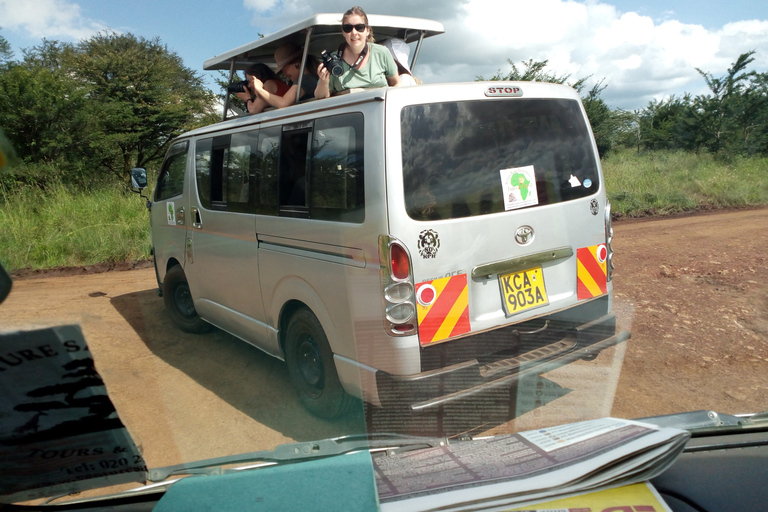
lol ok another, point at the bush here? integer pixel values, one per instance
(663, 182)
(62, 226)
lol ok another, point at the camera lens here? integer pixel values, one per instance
(236, 87)
(332, 63)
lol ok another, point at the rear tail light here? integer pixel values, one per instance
(398, 291)
(399, 264)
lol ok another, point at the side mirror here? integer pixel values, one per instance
(139, 178)
(139, 183)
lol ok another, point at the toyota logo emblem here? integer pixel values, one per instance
(524, 235)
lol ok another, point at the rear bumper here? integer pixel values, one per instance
(533, 353)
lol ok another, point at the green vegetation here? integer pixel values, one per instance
(94, 110)
(664, 182)
(66, 227)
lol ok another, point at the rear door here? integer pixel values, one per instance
(496, 199)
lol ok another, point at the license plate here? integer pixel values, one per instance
(523, 290)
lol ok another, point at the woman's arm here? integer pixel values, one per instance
(274, 99)
(393, 81)
(258, 104)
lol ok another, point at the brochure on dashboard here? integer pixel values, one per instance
(528, 466)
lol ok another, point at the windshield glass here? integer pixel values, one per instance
(383, 293)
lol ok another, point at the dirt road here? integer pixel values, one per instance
(693, 291)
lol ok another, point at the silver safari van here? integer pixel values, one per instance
(410, 246)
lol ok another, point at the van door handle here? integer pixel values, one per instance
(197, 221)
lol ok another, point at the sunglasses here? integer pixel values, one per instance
(360, 27)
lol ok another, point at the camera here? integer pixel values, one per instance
(235, 87)
(332, 63)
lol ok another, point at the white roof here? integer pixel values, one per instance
(325, 34)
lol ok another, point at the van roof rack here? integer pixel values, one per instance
(321, 32)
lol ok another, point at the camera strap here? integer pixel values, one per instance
(359, 59)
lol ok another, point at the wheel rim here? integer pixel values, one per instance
(183, 301)
(310, 366)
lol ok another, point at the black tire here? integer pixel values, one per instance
(311, 368)
(178, 302)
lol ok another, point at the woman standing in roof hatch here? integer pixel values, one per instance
(364, 63)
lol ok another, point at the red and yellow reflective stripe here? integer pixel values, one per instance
(591, 271)
(445, 313)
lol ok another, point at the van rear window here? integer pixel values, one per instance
(462, 159)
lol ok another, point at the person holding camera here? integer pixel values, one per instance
(288, 62)
(258, 76)
(359, 62)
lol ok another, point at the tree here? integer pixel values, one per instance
(603, 121)
(533, 71)
(42, 111)
(6, 54)
(717, 113)
(101, 107)
(142, 97)
(669, 124)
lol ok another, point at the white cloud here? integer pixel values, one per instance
(47, 19)
(741, 37)
(260, 5)
(639, 58)
(629, 29)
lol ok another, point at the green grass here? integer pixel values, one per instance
(662, 182)
(68, 227)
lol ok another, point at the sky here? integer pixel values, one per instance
(641, 50)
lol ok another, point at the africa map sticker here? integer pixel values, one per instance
(171, 214)
(518, 186)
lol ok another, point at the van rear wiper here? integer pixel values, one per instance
(296, 452)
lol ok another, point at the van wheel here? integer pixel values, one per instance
(178, 302)
(311, 367)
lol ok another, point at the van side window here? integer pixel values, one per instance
(211, 157)
(238, 173)
(170, 183)
(219, 163)
(264, 172)
(336, 173)
(242, 160)
(310, 169)
(292, 184)
(203, 170)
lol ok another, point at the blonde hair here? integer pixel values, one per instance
(358, 11)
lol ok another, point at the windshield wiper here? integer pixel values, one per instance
(295, 452)
(706, 422)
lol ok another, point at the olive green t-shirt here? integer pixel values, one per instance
(380, 65)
